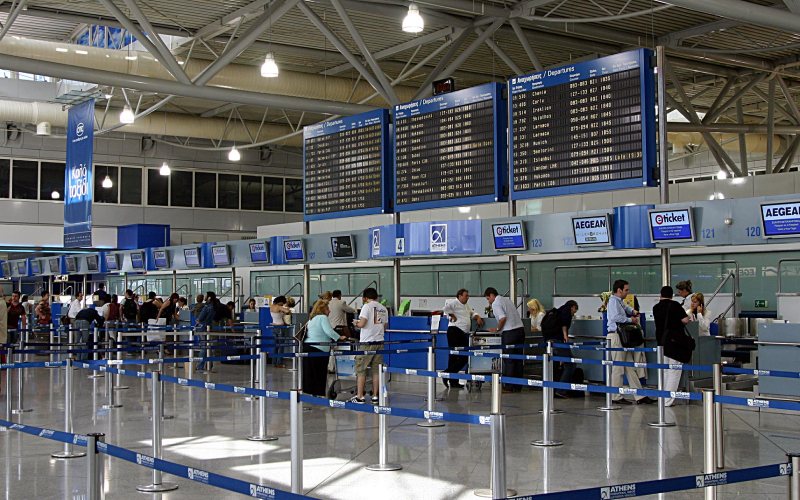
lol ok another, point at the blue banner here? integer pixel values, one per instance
(78, 183)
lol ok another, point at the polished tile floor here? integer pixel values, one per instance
(209, 431)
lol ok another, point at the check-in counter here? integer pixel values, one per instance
(778, 349)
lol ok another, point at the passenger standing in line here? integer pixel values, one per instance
(509, 325)
(460, 314)
(684, 291)
(16, 317)
(536, 312)
(559, 333)
(320, 332)
(42, 312)
(372, 321)
(338, 315)
(204, 321)
(618, 314)
(699, 313)
(3, 324)
(75, 306)
(102, 294)
(114, 309)
(130, 308)
(83, 323)
(279, 310)
(168, 311)
(149, 309)
(670, 319)
(198, 306)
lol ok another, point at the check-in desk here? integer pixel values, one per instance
(779, 349)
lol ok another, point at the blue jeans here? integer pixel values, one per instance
(84, 333)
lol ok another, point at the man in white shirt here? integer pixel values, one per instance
(372, 321)
(75, 306)
(509, 325)
(339, 310)
(460, 315)
(618, 313)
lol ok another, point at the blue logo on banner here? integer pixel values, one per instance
(438, 241)
(78, 176)
(376, 242)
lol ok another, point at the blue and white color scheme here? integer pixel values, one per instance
(376, 242)
(438, 238)
(509, 236)
(137, 260)
(259, 252)
(78, 181)
(432, 239)
(669, 226)
(590, 231)
(294, 251)
(192, 257)
(781, 220)
(112, 262)
(220, 256)
(160, 259)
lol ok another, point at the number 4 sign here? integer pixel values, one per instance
(399, 246)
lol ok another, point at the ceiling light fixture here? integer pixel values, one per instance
(131, 58)
(82, 52)
(413, 22)
(270, 68)
(61, 49)
(126, 116)
(107, 183)
(234, 154)
(55, 195)
(721, 175)
(165, 170)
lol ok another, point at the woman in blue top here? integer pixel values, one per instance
(320, 331)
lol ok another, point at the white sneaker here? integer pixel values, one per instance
(356, 399)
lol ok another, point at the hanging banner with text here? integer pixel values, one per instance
(78, 182)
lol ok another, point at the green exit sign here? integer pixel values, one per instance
(761, 303)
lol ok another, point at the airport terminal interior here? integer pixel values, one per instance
(434, 249)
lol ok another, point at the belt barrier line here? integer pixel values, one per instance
(602, 389)
(480, 354)
(730, 370)
(631, 364)
(426, 373)
(597, 348)
(344, 353)
(657, 486)
(32, 364)
(147, 461)
(758, 403)
(116, 371)
(155, 361)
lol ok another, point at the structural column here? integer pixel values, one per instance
(663, 163)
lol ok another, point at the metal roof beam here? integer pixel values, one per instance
(675, 37)
(526, 44)
(501, 54)
(226, 23)
(457, 43)
(745, 12)
(20, 6)
(793, 6)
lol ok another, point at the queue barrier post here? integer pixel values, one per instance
(262, 401)
(20, 409)
(547, 425)
(95, 355)
(189, 366)
(94, 467)
(68, 452)
(383, 446)
(662, 410)
(253, 367)
(497, 474)
(52, 340)
(111, 401)
(794, 478)
(431, 390)
(295, 350)
(161, 369)
(118, 377)
(719, 451)
(609, 405)
(9, 385)
(296, 437)
(157, 403)
(709, 435)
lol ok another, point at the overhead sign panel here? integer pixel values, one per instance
(509, 236)
(345, 166)
(78, 184)
(585, 127)
(781, 220)
(670, 226)
(590, 231)
(450, 149)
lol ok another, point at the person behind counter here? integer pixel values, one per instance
(536, 312)
(320, 332)
(509, 325)
(699, 313)
(670, 320)
(684, 290)
(338, 315)
(251, 305)
(460, 315)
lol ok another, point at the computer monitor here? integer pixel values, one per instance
(220, 256)
(192, 257)
(780, 220)
(92, 263)
(592, 231)
(671, 226)
(6, 269)
(36, 266)
(293, 250)
(342, 247)
(55, 265)
(509, 236)
(137, 260)
(160, 259)
(259, 252)
(22, 269)
(72, 264)
(112, 262)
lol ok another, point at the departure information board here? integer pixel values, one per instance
(584, 127)
(345, 166)
(450, 149)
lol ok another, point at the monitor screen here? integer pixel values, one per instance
(91, 263)
(781, 220)
(293, 250)
(72, 264)
(6, 269)
(259, 252)
(55, 265)
(220, 255)
(137, 260)
(509, 236)
(36, 267)
(192, 257)
(160, 259)
(671, 225)
(595, 230)
(21, 267)
(342, 247)
(112, 262)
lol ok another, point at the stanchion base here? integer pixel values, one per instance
(95, 375)
(546, 444)
(262, 438)
(553, 412)
(487, 493)
(167, 417)
(68, 454)
(121, 388)
(431, 423)
(18, 411)
(155, 488)
(609, 408)
(250, 399)
(661, 424)
(384, 467)
(109, 407)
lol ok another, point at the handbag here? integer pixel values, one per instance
(630, 334)
(678, 345)
(300, 335)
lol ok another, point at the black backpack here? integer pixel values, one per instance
(129, 309)
(551, 329)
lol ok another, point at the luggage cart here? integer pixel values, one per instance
(345, 372)
(477, 365)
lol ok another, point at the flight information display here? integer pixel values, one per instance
(585, 127)
(345, 166)
(450, 149)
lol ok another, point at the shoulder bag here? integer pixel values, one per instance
(630, 334)
(678, 345)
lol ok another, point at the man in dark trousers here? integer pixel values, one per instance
(460, 315)
(555, 327)
(670, 319)
(83, 322)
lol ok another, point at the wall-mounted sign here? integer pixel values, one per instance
(594, 230)
(667, 226)
(781, 220)
(509, 236)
